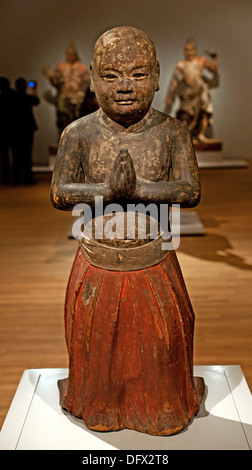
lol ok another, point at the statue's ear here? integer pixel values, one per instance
(157, 74)
(91, 77)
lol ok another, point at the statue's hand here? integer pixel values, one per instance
(49, 97)
(123, 175)
(47, 71)
(211, 54)
(169, 102)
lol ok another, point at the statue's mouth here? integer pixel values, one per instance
(125, 101)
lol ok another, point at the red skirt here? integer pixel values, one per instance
(129, 336)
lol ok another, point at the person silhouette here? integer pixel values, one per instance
(6, 117)
(23, 132)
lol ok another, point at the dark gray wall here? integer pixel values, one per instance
(35, 33)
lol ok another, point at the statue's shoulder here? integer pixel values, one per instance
(180, 65)
(169, 123)
(83, 125)
(158, 118)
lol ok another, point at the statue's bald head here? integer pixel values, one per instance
(124, 73)
(71, 53)
(124, 41)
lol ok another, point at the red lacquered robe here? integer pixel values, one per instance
(129, 336)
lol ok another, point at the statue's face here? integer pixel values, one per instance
(124, 77)
(190, 52)
(71, 56)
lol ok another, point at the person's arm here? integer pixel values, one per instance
(66, 190)
(34, 97)
(185, 187)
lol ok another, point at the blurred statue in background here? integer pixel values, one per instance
(71, 80)
(191, 82)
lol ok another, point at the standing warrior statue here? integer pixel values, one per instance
(71, 80)
(128, 318)
(193, 89)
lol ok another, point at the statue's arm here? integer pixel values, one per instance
(211, 64)
(66, 188)
(173, 86)
(185, 187)
(185, 171)
(52, 75)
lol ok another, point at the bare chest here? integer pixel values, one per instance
(149, 152)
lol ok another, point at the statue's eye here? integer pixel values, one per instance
(110, 76)
(139, 75)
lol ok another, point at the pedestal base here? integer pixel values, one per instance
(190, 223)
(209, 154)
(35, 420)
(215, 160)
(53, 149)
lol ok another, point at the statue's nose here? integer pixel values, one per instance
(125, 86)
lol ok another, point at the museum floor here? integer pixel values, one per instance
(36, 258)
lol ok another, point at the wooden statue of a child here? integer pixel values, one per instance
(128, 318)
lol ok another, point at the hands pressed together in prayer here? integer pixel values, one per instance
(123, 176)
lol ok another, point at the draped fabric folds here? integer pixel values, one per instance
(129, 336)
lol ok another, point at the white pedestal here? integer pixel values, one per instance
(215, 159)
(190, 223)
(35, 420)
